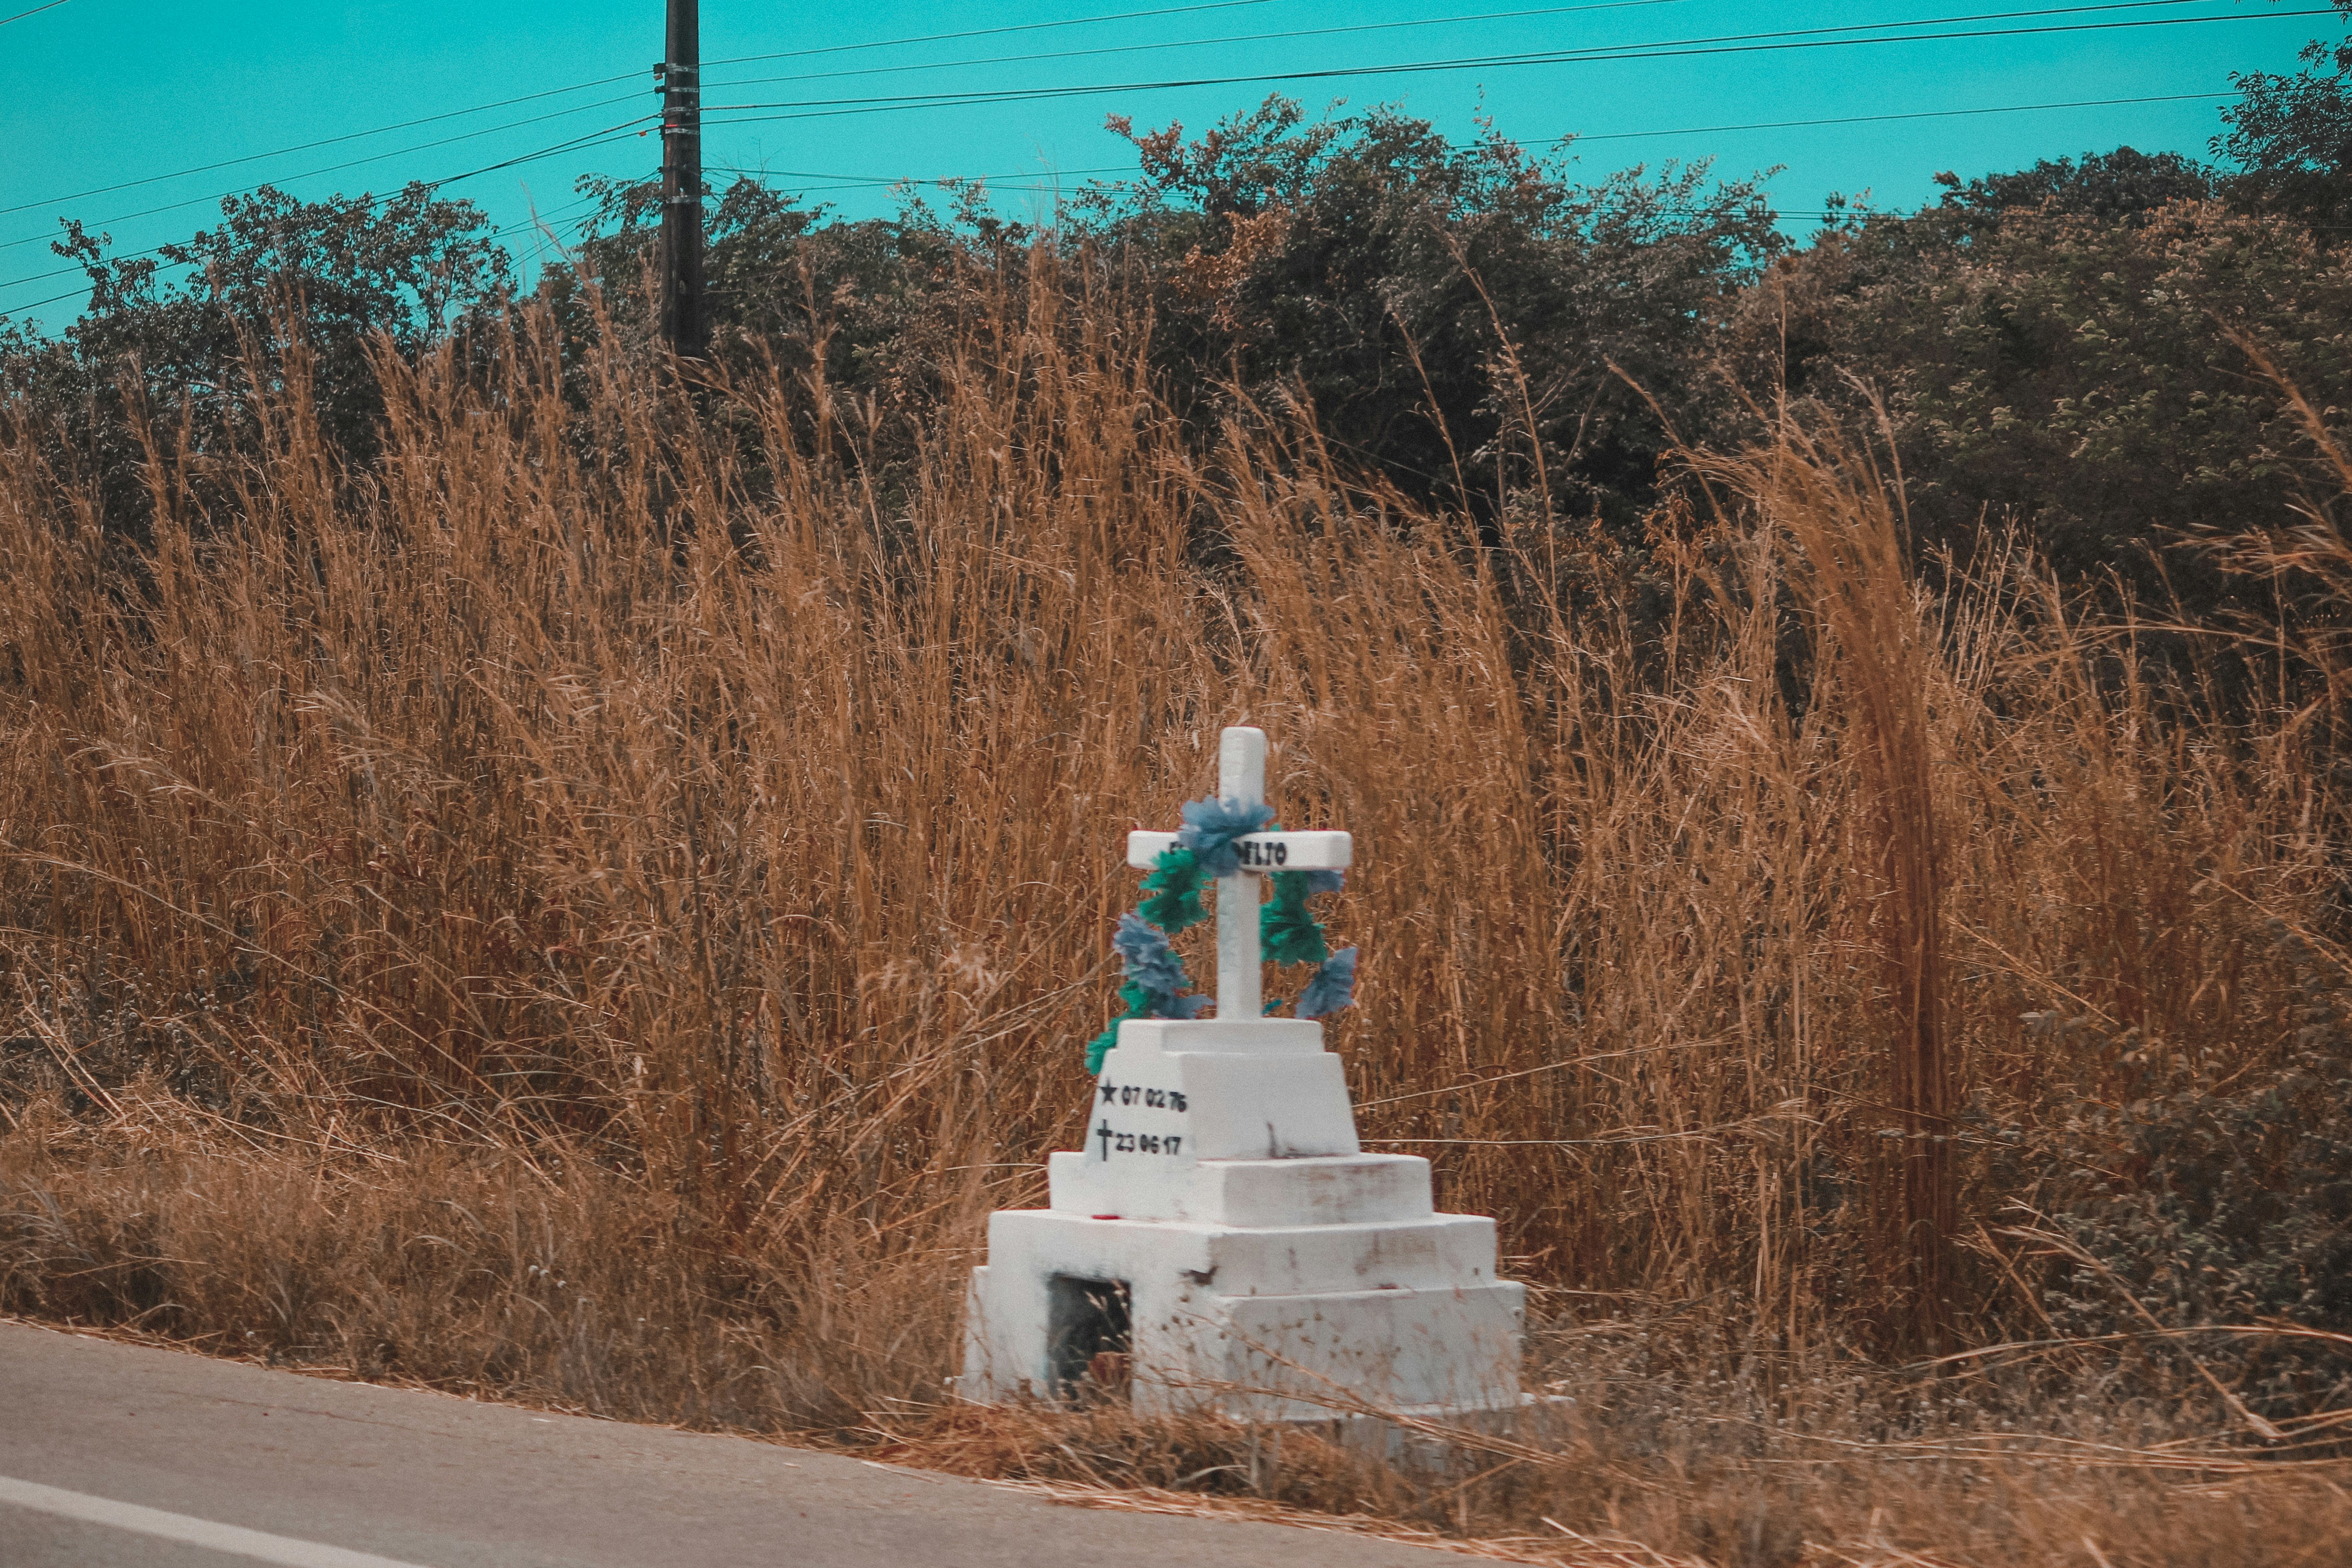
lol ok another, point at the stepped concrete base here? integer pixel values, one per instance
(1260, 1323)
(1222, 1242)
(1315, 1189)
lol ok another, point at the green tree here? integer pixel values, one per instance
(2086, 381)
(854, 313)
(189, 334)
(2291, 138)
(1433, 301)
(2123, 186)
(198, 322)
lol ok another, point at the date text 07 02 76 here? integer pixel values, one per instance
(1150, 1099)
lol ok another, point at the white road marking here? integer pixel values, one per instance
(194, 1531)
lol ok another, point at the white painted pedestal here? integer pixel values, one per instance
(1264, 1266)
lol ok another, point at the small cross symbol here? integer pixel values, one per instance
(1103, 1133)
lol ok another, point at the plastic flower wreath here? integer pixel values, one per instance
(1156, 985)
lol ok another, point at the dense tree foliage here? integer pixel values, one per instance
(2291, 137)
(2099, 384)
(172, 346)
(336, 275)
(1433, 302)
(2119, 187)
(2093, 352)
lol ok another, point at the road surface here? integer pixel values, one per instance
(116, 1455)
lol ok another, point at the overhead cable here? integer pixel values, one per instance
(322, 142)
(573, 144)
(852, 181)
(819, 109)
(1912, 114)
(357, 162)
(1229, 38)
(855, 182)
(988, 32)
(36, 11)
(495, 228)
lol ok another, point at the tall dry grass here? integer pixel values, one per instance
(597, 906)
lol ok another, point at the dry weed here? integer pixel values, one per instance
(595, 908)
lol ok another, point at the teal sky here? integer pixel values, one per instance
(100, 92)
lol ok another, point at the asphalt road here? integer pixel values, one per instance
(114, 1455)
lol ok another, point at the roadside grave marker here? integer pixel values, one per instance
(1222, 1240)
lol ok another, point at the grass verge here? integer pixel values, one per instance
(594, 907)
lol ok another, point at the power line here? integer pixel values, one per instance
(573, 144)
(580, 143)
(37, 304)
(543, 228)
(825, 108)
(819, 109)
(582, 87)
(1231, 38)
(551, 92)
(1916, 114)
(989, 32)
(36, 11)
(846, 182)
(851, 182)
(1738, 43)
(1731, 44)
(855, 181)
(322, 142)
(539, 251)
(357, 162)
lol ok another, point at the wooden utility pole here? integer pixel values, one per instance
(681, 231)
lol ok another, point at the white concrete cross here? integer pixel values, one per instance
(1240, 776)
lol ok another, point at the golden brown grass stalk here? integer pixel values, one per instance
(595, 908)
(1878, 662)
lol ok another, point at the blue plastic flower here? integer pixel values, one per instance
(1211, 826)
(1151, 963)
(1333, 986)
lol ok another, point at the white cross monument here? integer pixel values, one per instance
(1221, 1239)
